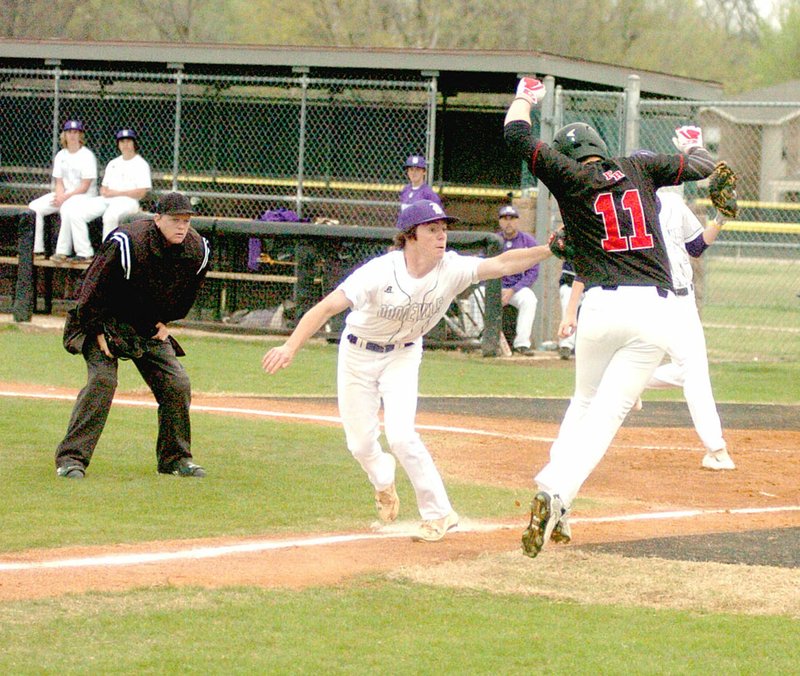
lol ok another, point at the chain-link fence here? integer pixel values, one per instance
(749, 280)
(331, 149)
(239, 145)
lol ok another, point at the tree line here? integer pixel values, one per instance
(725, 41)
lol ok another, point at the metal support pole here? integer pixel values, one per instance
(301, 140)
(548, 312)
(430, 132)
(493, 319)
(176, 142)
(632, 119)
(56, 146)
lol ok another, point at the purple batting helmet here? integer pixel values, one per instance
(415, 161)
(422, 211)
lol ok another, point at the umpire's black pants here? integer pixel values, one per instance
(166, 378)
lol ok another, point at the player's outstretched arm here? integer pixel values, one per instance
(280, 357)
(512, 261)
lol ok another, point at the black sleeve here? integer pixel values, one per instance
(95, 289)
(519, 139)
(699, 165)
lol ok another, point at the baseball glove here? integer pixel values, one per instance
(123, 341)
(722, 190)
(560, 245)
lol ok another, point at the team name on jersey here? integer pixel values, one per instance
(411, 312)
(615, 175)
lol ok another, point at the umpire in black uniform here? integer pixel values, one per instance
(146, 274)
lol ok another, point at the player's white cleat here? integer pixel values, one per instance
(562, 533)
(717, 460)
(435, 529)
(387, 503)
(637, 405)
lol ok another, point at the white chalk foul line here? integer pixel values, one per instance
(196, 553)
(277, 414)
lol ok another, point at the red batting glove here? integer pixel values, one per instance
(530, 89)
(688, 137)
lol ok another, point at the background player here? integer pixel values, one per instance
(608, 206)
(394, 300)
(416, 188)
(126, 180)
(75, 182)
(517, 290)
(688, 368)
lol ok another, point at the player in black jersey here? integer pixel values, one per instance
(608, 206)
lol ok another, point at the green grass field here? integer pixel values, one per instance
(271, 478)
(751, 310)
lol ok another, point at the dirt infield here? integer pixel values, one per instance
(650, 476)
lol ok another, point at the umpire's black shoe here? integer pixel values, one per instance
(183, 467)
(72, 471)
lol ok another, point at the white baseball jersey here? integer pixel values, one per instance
(72, 168)
(122, 174)
(679, 225)
(390, 306)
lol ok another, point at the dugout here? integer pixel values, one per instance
(244, 129)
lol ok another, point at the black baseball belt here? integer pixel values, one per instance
(374, 347)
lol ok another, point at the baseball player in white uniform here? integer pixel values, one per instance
(394, 300)
(126, 181)
(688, 368)
(75, 182)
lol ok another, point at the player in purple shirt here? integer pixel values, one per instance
(416, 188)
(516, 289)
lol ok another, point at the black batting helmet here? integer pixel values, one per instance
(579, 141)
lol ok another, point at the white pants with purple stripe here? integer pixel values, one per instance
(364, 379)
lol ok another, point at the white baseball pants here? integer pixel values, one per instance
(622, 336)
(689, 370)
(364, 379)
(41, 206)
(73, 235)
(525, 301)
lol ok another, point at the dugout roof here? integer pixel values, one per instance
(458, 70)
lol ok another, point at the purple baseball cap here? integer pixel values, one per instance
(422, 211)
(508, 210)
(415, 161)
(125, 133)
(71, 125)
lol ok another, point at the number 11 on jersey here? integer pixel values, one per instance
(614, 240)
